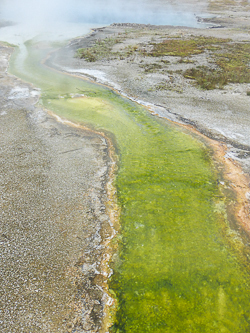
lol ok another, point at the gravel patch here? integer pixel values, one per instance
(53, 217)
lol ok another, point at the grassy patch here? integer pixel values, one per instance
(230, 60)
(180, 48)
(101, 49)
(166, 62)
(220, 4)
(232, 66)
(185, 48)
(7, 44)
(206, 77)
(130, 50)
(150, 68)
(234, 61)
(168, 86)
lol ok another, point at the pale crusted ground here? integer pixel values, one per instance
(52, 216)
(222, 114)
(52, 176)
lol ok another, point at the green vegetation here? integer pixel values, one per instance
(177, 268)
(206, 77)
(130, 50)
(164, 85)
(229, 62)
(150, 68)
(101, 49)
(184, 47)
(232, 66)
(166, 62)
(7, 44)
(219, 4)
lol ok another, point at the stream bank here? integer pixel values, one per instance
(218, 114)
(53, 218)
(221, 114)
(92, 311)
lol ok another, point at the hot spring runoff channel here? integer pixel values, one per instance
(175, 271)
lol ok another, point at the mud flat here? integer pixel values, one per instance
(53, 219)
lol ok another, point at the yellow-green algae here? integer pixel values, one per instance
(175, 271)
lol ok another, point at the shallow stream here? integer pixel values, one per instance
(175, 270)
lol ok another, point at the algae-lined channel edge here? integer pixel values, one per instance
(175, 270)
(114, 213)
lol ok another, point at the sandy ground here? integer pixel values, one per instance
(53, 219)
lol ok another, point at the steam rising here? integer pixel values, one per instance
(42, 12)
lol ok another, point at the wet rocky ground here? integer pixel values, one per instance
(221, 114)
(52, 216)
(53, 221)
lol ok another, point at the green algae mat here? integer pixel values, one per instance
(175, 270)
